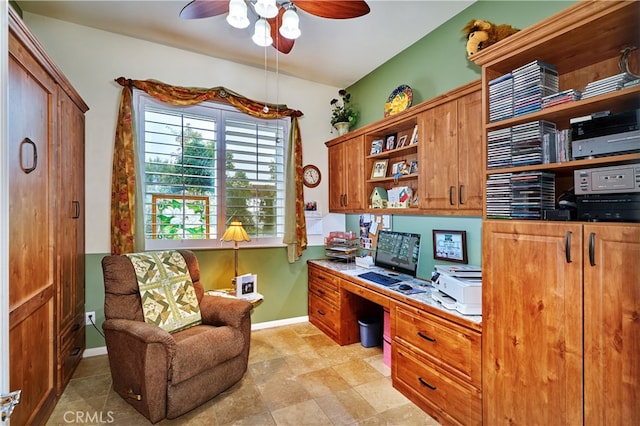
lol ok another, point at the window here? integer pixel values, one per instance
(204, 165)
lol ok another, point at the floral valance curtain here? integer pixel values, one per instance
(123, 184)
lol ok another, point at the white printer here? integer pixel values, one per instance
(459, 288)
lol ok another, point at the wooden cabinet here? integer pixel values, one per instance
(346, 178)
(447, 172)
(46, 278)
(452, 149)
(561, 300)
(549, 287)
(436, 363)
(70, 245)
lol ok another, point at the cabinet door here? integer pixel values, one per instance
(70, 237)
(354, 175)
(439, 157)
(31, 133)
(337, 179)
(612, 324)
(470, 162)
(532, 323)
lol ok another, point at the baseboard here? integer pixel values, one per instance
(259, 326)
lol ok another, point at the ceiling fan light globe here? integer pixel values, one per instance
(266, 8)
(237, 16)
(262, 33)
(290, 25)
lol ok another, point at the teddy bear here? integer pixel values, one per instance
(481, 34)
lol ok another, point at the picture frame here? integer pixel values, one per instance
(377, 146)
(414, 136)
(450, 245)
(379, 169)
(396, 168)
(402, 141)
(413, 167)
(246, 286)
(390, 142)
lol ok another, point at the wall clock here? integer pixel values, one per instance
(311, 176)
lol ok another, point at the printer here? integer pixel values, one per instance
(459, 288)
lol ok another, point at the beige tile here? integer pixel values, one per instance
(345, 407)
(357, 372)
(306, 362)
(381, 395)
(303, 413)
(280, 393)
(239, 403)
(407, 415)
(322, 382)
(262, 419)
(87, 387)
(273, 369)
(92, 366)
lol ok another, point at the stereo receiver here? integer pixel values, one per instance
(607, 180)
(600, 136)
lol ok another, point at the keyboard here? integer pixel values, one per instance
(381, 279)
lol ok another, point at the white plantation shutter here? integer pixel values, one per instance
(205, 165)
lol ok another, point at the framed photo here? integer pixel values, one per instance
(246, 286)
(376, 146)
(396, 168)
(413, 168)
(414, 136)
(402, 141)
(450, 245)
(379, 169)
(390, 142)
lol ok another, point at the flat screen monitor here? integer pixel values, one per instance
(398, 251)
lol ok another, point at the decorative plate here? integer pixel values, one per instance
(399, 100)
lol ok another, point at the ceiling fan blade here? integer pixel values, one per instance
(281, 43)
(334, 9)
(204, 9)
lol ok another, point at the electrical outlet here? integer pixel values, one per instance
(88, 317)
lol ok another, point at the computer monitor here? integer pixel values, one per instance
(398, 251)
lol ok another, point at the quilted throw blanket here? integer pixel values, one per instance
(168, 296)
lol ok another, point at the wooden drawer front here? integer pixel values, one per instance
(324, 316)
(324, 291)
(443, 343)
(436, 391)
(330, 281)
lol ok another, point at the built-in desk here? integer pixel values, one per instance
(435, 352)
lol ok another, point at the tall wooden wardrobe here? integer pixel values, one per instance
(46, 222)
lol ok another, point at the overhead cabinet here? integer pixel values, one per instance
(432, 149)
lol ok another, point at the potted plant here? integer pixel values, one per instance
(343, 116)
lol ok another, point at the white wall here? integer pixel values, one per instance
(91, 60)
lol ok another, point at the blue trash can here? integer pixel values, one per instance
(370, 331)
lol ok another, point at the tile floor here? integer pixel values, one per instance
(297, 376)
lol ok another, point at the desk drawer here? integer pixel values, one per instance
(324, 291)
(328, 280)
(442, 396)
(448, 345)
(324, 316)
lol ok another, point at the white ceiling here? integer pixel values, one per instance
(333, 52)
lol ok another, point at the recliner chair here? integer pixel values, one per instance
(165, 375)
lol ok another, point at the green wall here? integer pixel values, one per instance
(434, 65)
(283, 285)
(438, 62)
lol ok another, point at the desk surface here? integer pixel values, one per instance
(351, 272)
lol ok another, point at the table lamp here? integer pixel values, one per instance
(235, 232)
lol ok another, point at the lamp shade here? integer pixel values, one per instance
(290, 24)
(266, 8)
(235, 232)
(237, 16)
(262, 33)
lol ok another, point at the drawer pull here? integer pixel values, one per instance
(321, 313)
(424, 383)
(75, 351)
(425, 337)
(321, 292)
(75, 328)
(320, 277)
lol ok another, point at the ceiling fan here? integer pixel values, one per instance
(273, 14)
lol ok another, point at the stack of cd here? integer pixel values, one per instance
(532, 193)
(606, 85)
(501, 98)
(527, 141)
(499, 196)
(565, 96)
(499, 148)
(531, 82)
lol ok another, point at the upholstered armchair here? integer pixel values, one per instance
(162, 374)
